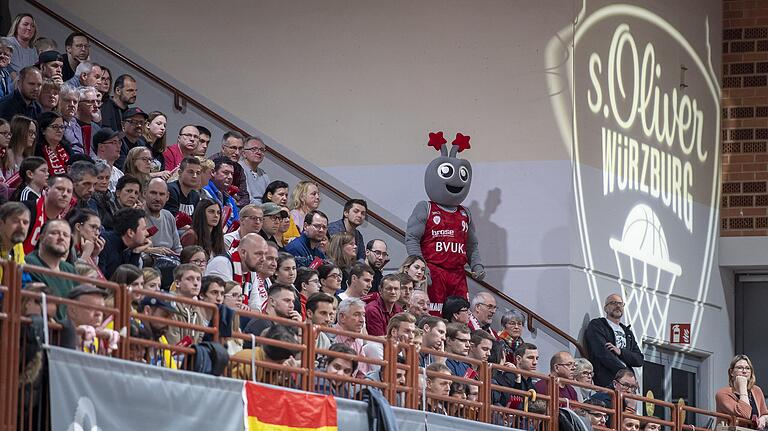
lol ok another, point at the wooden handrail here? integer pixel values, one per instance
(293, 165)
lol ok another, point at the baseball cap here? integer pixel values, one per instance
(49, 56)
(86, 289)
(271, 208)
(132, 112)
(158, 302)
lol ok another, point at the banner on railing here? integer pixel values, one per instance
(90, 392)
(307, 412)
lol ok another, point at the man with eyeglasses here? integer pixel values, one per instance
(611, 344)
(273, 214)
(561, 365)
(81, 129)
(376, 257)
(457, 342)
(305, 247)
(185, 146)
(624, 381)
(482, 309)
(251, 220)
(355, 213)
(255, 178)
(134, 120)
(232, 149)
(78, 49)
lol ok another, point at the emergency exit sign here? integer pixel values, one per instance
(680, 333)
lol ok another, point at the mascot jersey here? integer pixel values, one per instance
(445, 236)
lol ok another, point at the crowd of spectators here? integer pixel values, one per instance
(92, 185)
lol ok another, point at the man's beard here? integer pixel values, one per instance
(18, 237)
(51, 250)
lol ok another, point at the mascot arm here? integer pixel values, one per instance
(473, 254)
(415, 229)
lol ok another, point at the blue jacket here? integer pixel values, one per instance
(224, 200)
(302, 251)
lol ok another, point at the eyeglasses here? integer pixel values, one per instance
(587, 373)
(378, 253)
(489, 306)
(616, 303)
(336, 276)
(57, 127)
(256, 149)
(319, 226)
(628, 386)
(742, 368)
(190, 135)
(257, 218)
(569, 364)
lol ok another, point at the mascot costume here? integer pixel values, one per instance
(441, 230)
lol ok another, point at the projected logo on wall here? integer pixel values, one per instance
(637, 103)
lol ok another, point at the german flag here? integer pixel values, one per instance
(273, 409)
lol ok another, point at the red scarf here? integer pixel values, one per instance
(39, 221)
(256, 287)
(57, 159)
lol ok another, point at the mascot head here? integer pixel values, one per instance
(447, 178)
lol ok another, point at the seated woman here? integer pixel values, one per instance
(21, 145)
(138, 164)
(128, 191)
(342, 250)
(330, 278)
(742, 397)
(513, 322)
(206, 228)
(51, 145)
(416, 267)
(195, 255)
(87, 242)
(305, 198)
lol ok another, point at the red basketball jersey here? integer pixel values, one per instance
(445, 237)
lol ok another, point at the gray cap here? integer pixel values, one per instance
(271, 208)
(86, 289)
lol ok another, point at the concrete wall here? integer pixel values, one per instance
(351, 90)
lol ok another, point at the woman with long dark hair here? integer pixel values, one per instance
(206, 228)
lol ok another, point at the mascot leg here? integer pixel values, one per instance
(436, 290)
(457, 284)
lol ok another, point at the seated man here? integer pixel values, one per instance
(437, 386)
(458, 342)
(376, 256)
(126, 242)
(187, 277)
(562, 365)
(52, 253)
(482, 309)
(217, 189)
(355, 212)
(94, 339)
(401, 328)
(305, 248)
(338, 367)
(251, 220)
(270, 354)
(55, 204)
(434, 337)
(279, 304)
(360, 279)
(165, 241)
(351, 318)
(379, 311)
(320, 312)
(157, 331)
(83, 174)
(273, 214)
(527, 359)
(182, 193)
(419, 304)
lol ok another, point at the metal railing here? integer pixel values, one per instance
(24, 403)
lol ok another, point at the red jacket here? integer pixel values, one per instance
(377, 317)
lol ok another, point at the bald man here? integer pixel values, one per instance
(611, 344)
(561, 365)
(242, 267)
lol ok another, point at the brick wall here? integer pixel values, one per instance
(744, 205)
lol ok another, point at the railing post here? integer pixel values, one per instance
(412, 359)
(12, 279)
(618, 408)
(389, 373)
(308, 336)
(678, 415)
(554, 401)
(484, 396)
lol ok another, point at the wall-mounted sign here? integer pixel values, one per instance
(680, 333)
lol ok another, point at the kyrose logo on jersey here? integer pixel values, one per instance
(638, 104)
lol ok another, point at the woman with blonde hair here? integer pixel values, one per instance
(21, 37)
(742, 397)
(416, 267)
(305, 197)
(138, 164)
(154, 134)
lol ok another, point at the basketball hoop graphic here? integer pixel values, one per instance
(642, 257)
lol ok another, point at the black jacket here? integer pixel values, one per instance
(14, 104)
(605, 362)
(115, 253)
